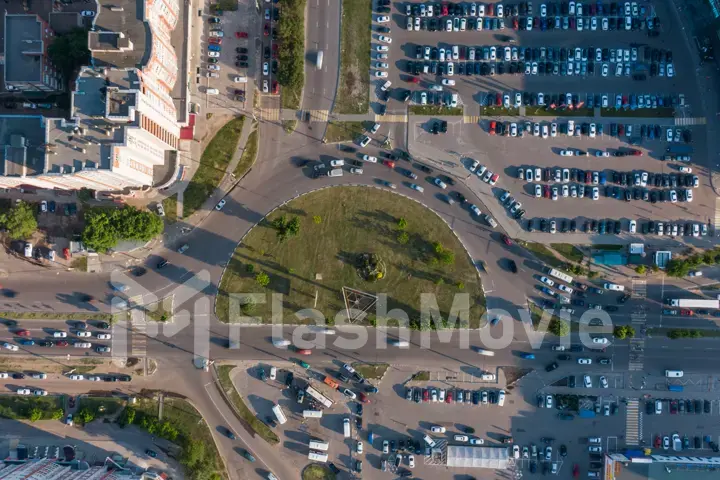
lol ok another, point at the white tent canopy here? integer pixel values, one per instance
(477, 457)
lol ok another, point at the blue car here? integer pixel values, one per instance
(25, 341)
(547, 291)
(527, 356)
(214, 48)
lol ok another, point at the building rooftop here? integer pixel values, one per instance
(130, 23)
(659, 471)
(21, 143)
(23, 48)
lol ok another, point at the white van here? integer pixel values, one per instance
(482, 351)
(673, 373)
(501, 398)
(28, 249)
(346, 427)
(614, 286)
(212, 91)
(319, 60)
(335, 172)
(281, 342)
(429, 441)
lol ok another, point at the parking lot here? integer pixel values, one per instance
(621, 89)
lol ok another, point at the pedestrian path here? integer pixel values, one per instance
(638, 319)
(402, 118)
(471, 118)
(633, 422)
(690, 121)
(138, 335)
(716, 223)
(272, 114)
(319, 115)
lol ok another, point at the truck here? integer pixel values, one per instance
(679, 149)
(694, 303)
(331, 383)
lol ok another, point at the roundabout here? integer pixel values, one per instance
(358, 237)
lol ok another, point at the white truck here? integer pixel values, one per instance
(694, 303)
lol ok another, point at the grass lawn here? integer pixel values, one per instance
(558, 112)
(101, 406)
(344, 131)
(17, 407)
(191, 427)
(291, 54)
(435, 110)
(170, 207)
(422, 376)
(664, 112)
(315, 265)
(499, 112)
(353, 95)
(249, 417)
(160, 311)
(247, 159)
(317, 472)
(611, 247)
(571, 252)
(544, 254)
(371, 371)
(213, 163)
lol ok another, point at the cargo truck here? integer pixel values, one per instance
(694, 303)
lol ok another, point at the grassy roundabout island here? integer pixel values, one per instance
(358, 237)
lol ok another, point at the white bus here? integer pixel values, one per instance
(319, 397)
(318, 456)
(560, 276)
(279, 414)
(312, 414)
(319, 445)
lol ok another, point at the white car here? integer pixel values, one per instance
(94, 378)
(266, 86)
(440, 183)
(603, 382)
(79, 333)
(379, 48)
(593, 130)
(584, 361)
(11, 347)
(40, 392)
(77, 377)
(369, 158)
(423, 98)
(39, 376)
(548, 401)
(411, 461)
(213, 54)
(385, 39)
(450, 69)
(104, 336)
(547, 281)
(461, 438)
(565, 191)
(555, 194)
(477, 441)
(359, 448)
(553, 129)
(567, 152)
(587, 381)
(448, 25)
(447, 81)
(670, 70)
(23, 391)
(220, 204)
(381, 65)
(633, 226)
(59, 334)
(87, 13)
(437, 429)
(605, 24)
(383, 19)
(381, 74)
(266, 69)
(689, 198)
(600, 340)
(473, 208)
(548, 453)
(538, 191)
(409, 24)
(516, 451)
(386, 447)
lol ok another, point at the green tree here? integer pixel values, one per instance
(629, 331)
(104, 227)
(85, 194)
(317, 219)
(641, 269)
(438, 247)
(558, 327)
(447, 257)
(85, 415)
(70, 51)
(193, 454)
(402, 223)
(403, 238)
(20, 221)
(677, 268)
(57, 414)
(262, 279)
(709, 257)
(247, 305)
(291, 38)
(286, 228)
(620, 331)
(35, 414)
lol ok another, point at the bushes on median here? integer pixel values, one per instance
(291, 51)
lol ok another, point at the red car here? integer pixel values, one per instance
(515, 23)
(576, 471)
(498, 99)
(673, 407)
(304, 351)
(658, 441)
(266, 31)
(363, 398)
(276, 88)
(241, 35)
(444, 9)
(572, 23)
(588, 177)
(636, 153)
(621, 129)
(62, 343)
(215, 40)
(275, 50)
(449, 397)
(686, 313)
(23, 333)
(546, 191)
(490, 10)
(507, 240)
(389, 164)
(493, 127)
(625, 101)
(415, 80)
(426, 395)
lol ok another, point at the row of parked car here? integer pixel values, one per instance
(611, 226)
(655, 407)
(499, 10)
(452, 395)
(637, 178)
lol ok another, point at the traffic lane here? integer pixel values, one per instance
(697, 356)
(325, 37)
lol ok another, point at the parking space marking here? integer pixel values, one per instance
(633, 422)
(690, 121)
(391, 118)
(471, 118)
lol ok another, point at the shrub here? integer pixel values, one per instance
(317, 219)
(250, 268)
(461, 285)
(403, 238)
(262, 279)
(558, 327)
(641, 269)
(402, 224)
(35, 414)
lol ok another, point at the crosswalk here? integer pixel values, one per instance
(716, 224)
(319, 115)
(138, 333)
(638, 318)
(690, 121)
(471, 118)
(402, 118)
(272, 114)
(633, 422)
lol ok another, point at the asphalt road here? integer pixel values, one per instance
(322, 34)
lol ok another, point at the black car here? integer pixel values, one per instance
(267, 53)
(18, 375)
(443, 126)
(289, 379)
(139, 271)
(460, 197)
(47, 343)
(424, 168)
(551, 367)
(563, 451)
(706, 406)
(512, 266)
(358, 423)
(564, 356)
(358, 409)
(270, 421)
(162, 263)
(571, 381)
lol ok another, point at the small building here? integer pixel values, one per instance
(496, 458)
(661, 258)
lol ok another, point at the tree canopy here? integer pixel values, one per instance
(19, 221)
(105, 227)
(70, 51)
